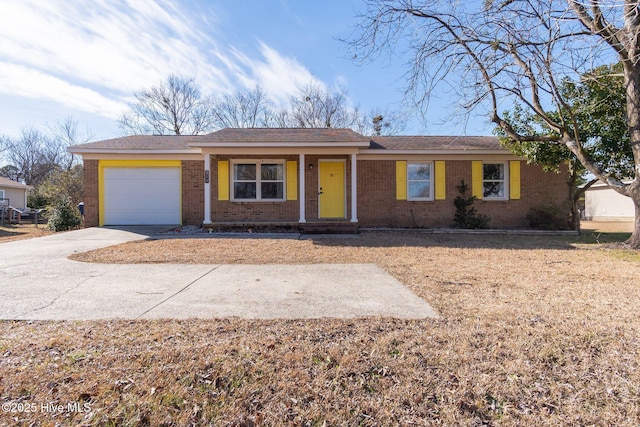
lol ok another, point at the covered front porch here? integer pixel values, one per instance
(256, 181)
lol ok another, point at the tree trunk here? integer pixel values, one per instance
(574, 220)
(634, 240)
(574, 223)
(632, 82)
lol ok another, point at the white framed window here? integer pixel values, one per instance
(419, 181)
(494, 181)
(3, 202)
(258, 180)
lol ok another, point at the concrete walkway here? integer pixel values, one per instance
(38, 282)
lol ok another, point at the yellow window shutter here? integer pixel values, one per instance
(223, 180)
(292, 180)
(401, 180)
(514, 179)
(476, 179)
(441, 181)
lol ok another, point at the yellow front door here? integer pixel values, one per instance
(331, 189)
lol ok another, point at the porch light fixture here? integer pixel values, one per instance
(310, 166)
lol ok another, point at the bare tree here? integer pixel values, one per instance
(280, 118)
(517, 51)
(317, 107)
(34, 154)
(381, 122)
(249, 108)
(4, 143)
(176, 106)
(64, 134)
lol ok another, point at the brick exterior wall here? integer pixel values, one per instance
(192, 192)
(378, 207)
(287, 211)
(377, 204)
(227, 210)
(90, 182)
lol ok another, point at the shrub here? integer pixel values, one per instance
(466, 215)
(546, 218)
(64, 217)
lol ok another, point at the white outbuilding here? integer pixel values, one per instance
(603, 203)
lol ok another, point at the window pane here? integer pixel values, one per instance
(244, 172)
(419, 189)
(272, 190)
(272, 172)
(493, 171)
(244, 190)
(493, 189)
(419, 171)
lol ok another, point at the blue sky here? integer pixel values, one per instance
(85, 59)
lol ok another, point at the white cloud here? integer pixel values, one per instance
(22, 81)
(93, 55)
(279, 76)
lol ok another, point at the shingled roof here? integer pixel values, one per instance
(7, 183)
(435, 143)
(276, 136)
(136, 142)
(281, 135)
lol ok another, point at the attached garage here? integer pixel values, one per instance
(140, 192)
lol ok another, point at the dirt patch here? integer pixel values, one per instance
(12, 232)
(607, 226)
(534, 331)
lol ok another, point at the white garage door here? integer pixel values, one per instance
(140, 196)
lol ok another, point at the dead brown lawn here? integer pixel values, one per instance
(534, 331)
(12, 232)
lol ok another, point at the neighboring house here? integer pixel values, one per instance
(603, 203)
(13, 193)
(307, 179)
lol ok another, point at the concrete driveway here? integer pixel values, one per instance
(38, 282)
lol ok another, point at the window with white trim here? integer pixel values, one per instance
(419, 181)
(258, 180)
(2, 201)
(494, 181)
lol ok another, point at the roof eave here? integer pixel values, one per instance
(382, 151)
(329, 144)
(17, 186)
(122, 151)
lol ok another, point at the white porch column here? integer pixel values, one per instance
(207, 189)
(354, 188)
(301, 188)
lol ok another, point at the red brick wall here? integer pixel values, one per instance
(90, 178)
(226, 210)
(192, 192)
(377, 204)
(378, 207)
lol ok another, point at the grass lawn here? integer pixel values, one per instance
(533, 331)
